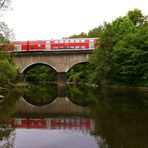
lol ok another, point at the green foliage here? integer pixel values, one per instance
(81, 35)
(93, 33)
(122, 55)
(84, 72)
(81, 73)
(136, 17)
(41, 73)
(45, 94)
(3, 41)
(8, 72)
(81, 95)
(6, 34)
(8, 105)
(96, 32)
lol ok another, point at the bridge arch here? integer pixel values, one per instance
(77, 63)
(27, 67)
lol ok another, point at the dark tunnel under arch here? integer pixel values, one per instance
(40, 72)
(79, 72)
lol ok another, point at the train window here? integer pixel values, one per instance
(77, 47)
(40, 123)
(56, 41)
(32, 123)
(39, 45)
(47, 41)
(55, 47)
(77, 41)
(66, 41)
(18, 47)
(82, 40)
(71, 41)
(83, 47)
(91, 40)
(61, 41)
(91, 45)
(72, 47)
(18, 121)
(47, 45)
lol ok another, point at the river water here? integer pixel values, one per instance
(51, 116)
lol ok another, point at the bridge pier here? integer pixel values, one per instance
(61, 78)
(62, 91)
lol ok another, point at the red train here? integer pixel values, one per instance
(85, 124)
(47, 45)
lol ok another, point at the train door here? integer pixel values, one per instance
(91, 43)
(48, 45)
(18, 47)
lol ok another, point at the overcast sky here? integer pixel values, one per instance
(54, 19)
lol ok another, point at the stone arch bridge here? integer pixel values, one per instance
(61, 61)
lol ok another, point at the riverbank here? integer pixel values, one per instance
(26, 84)
(140, 88)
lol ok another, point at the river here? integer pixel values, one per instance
(52, 116)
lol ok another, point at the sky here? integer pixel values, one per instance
(55, 19)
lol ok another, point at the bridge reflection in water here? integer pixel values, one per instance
(39, 116)
(60, 106)
(60, 114)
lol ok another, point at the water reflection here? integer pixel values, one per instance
(122, 118)
(74, 123)
(8, 103)
(105, 118)
(7, 109)
(60, 106)
(41, 94)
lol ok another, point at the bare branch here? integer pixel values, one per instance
(4, 4)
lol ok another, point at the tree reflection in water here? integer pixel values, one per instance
(7, 109)
(121, 118)
(121, 115)
(41, 94)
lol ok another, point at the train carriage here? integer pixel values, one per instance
(47, 45)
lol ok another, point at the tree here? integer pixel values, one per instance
(84, 72)
(136, 17)
(8, 72)
(81, 73)
(6, 32)
(122, 55)
(81, 35)
(41, 73)
(96, 32)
